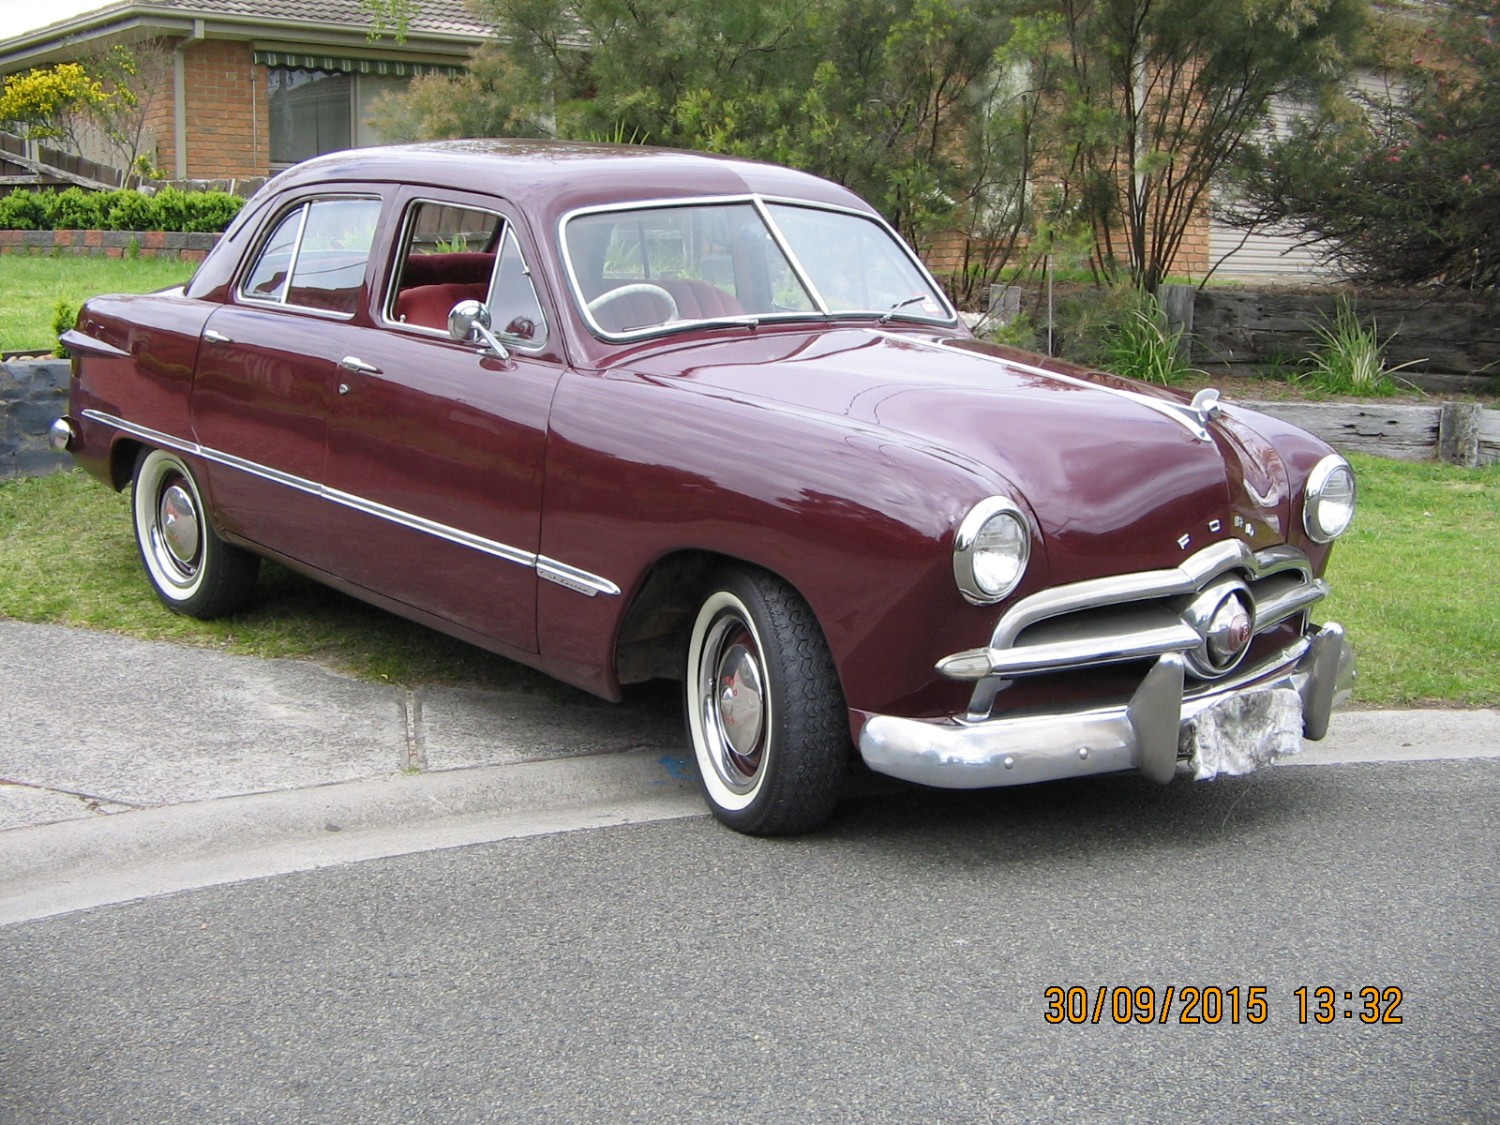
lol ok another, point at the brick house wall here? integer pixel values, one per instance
(162, 129)
(946, 253)
(227, 117)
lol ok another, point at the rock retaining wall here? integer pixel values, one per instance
(32, 394)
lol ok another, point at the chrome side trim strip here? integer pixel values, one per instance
(573, 578)
(431, 527)
(579, 581)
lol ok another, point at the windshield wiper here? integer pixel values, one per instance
(745, 320)
(890, 313)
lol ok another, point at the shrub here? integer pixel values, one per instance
(129, 210)
(212, 210)
(76, 209)
(1021, 332)
(1142, 345)
(1348, 359)
(171, 209)
(23, 210)
(64, 316)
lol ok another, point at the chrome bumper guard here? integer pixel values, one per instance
(60, 435)
(1144, 734)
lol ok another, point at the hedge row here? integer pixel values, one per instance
(76, 209)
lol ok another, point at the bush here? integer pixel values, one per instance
(1124, 330)
(1021, 332)
(129, 210)
(1144, 346)
(64, 316)
(212, 210)
(1403, 187)
(76, 209)
(23, 210)
(171, 209)
(1348, 359)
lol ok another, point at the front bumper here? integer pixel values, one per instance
(1154, 733)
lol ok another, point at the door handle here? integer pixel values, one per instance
(215, 337)
(358, 366)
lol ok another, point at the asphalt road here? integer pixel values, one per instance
(893, 968)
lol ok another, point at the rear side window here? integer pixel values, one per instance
(315, 256)
(452, 254)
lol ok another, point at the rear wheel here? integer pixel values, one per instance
(192, 570)
(765, 713)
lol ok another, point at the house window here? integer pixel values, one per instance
(317, 111)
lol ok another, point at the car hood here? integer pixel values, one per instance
(1117, 475)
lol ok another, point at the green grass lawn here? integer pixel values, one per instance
(1417, 583)
(1414, 583)
(68, 557)
(30, 288)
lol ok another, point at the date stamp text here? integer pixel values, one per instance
(1217, 1004)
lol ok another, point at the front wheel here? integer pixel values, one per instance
(192, 570)
(765, 713)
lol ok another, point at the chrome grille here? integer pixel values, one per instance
(1138, 616)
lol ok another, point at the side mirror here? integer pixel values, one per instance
(469, 323)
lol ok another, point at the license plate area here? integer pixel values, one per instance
(1242, 732)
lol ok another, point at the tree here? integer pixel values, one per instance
(1158, 97)
(107, 95)
(48, 103)
(925, 108)
(1400, 188)
(132, 78)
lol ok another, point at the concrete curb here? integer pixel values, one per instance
(132, 768)
(54, 868)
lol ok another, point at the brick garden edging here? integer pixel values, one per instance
(187, 246)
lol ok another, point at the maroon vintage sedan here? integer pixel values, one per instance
(624, 414)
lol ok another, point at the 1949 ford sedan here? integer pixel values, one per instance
(626, 413)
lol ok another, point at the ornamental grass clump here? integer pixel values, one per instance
(1348, 358)
(1142, 345)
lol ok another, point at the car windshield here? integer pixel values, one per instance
(648, 269)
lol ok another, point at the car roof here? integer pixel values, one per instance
(551, 178)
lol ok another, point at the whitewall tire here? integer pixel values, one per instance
(191, 569)
(765, 714)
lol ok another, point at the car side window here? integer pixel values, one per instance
(315, 256)
(451, 254)
(513, 301)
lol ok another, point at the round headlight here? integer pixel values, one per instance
(1329, 506)
(991, 550)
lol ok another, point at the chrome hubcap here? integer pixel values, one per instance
(179, 525)
(740, 708)
(734, 703)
